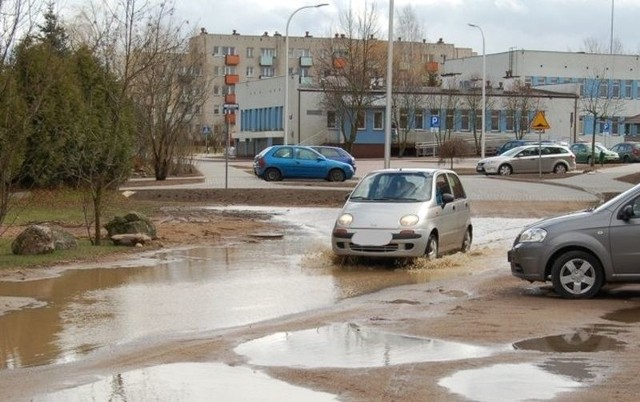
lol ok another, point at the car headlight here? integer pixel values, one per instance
(409, 220)
(345, 219)
(533, 235)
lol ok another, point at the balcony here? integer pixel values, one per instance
(232, 59)
(339, 62)
(266, 61)
(230, 118)
(231, 79)
(230, 98)
(306, 61)
(432, 67)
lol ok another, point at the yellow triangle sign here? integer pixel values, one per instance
(540, 122)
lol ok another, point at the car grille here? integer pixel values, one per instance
(389, 248)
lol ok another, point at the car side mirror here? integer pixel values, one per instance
(446, 198)
(626, 213)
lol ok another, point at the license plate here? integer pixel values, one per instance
(371, 238)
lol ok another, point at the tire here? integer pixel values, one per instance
(589, 160)
(626, 159)
(272, 174)
(577, 275)
(560, 168)
(505, 170)
(336, 175)
(431, 251)
(466, 241)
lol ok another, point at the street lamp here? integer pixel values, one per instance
(484, 90)
(286, 70)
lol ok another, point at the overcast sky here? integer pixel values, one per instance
(560, 25)
(557, 25)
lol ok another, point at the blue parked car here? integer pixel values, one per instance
(296, 161)
(336, 153)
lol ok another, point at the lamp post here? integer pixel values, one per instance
(286, 70)
(484, 90)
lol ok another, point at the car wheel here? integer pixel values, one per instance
(505, 170)
(589, 160)
(272, 174)
(560, 168)
(577, 275)
(336, 175)
(466, 241)
(432, 247)
(626, 159)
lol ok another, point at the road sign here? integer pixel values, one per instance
(206, 130)
(540, 122)
(435, 121)
(230, 107)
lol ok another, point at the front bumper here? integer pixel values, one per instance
(402, 245)
(528, 261)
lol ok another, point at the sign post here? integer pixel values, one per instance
(228, 108)
(540, 124)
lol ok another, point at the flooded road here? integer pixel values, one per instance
(193, 290)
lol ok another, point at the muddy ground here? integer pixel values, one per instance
(484, 306)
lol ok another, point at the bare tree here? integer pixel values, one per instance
(594, 45)
(519, 104)
(351, 67)
(598, 101)
(408, 76)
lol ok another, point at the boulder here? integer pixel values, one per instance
(130, 239)
(131, 223)
(42, 239)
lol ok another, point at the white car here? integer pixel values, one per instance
(546, 158)
(402, 213)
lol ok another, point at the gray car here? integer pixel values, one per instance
(546, 158)
(404, 213)
(581, 252)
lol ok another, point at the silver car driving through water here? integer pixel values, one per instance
(404, 213)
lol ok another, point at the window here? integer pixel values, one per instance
(284, 152)
(249, 52)
(361, 121)
(404, 120)
(602, 88)
(510, 120)
(418, 122)
(615, 89)
(229, 70)
(216, 90)
(267, 72)
(216, 109)
(464, 120)
(249, 71)
(228, 50)
(216, 51)
(268, 51)
(449, 123)
(495, 120)
(331, 119)
(628, 87)
(378, 120)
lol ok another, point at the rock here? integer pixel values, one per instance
(41, 239)
(131, 239)
(131, 223)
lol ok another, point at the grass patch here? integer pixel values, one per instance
(63, 208)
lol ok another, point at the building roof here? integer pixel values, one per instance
(632, 119)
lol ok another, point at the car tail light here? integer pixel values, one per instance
(261, 162)
(636, 151)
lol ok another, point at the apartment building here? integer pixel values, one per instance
(234, 59)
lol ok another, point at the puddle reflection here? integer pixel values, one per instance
(353, 346)
(582, 340)
(508, 382)
(192, 382)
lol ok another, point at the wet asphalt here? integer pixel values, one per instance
(221, 172)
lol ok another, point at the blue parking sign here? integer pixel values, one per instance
(435, 121)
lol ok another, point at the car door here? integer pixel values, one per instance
(624, 235)
(308, 164)
(283, 159)
(580, 151)
(526, 161)
(461, 209)
(445, 219)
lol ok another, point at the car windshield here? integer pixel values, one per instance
(394, 186)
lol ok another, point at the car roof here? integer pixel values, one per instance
(413, 170)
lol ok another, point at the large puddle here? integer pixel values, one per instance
(195, 290)
(347, 345)
(193, 382)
